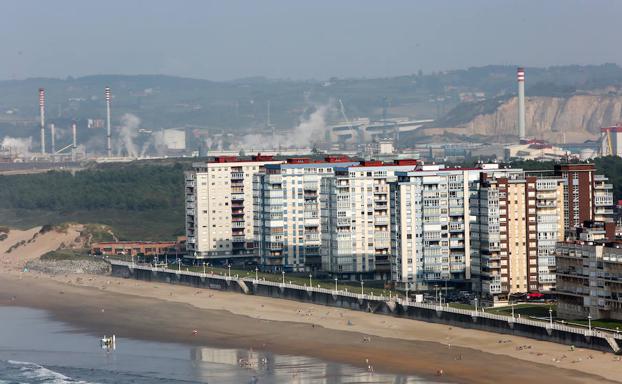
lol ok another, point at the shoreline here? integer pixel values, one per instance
(161, 312)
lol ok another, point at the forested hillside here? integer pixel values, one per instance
(136, 188)
(138, 201)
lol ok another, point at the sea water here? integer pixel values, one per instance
(35, 349)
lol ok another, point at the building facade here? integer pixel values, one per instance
(587, 196)
(289, 210)
(358, 219)
(219, 209)
(589, 276)
(431, 221)
(517, 221)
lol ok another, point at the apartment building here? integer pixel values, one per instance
(517, 221)
(289, 206)
(358, 219)
(587, 196)
(431, 221)
(589, 275)
(219, 209)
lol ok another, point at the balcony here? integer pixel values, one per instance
(237, 196)
(238, 238)
(603, 186)
(237, 175)
(381, 220)
(546, 204)
(311, 238)
(546, 196)
(237, 224)
(456, 227)
(603, 211)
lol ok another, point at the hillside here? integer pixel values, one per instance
(139, 201)
(209, 107)
(575, 118)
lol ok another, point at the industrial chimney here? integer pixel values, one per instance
(53, 137)
(74, 146)
(42, 115)
(108, 133)
(520, 76)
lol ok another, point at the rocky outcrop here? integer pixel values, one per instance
(556, 119)
(61, 267)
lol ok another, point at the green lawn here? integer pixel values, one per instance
(525, 310)
(297, 278)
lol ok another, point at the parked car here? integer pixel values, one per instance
(535, 296)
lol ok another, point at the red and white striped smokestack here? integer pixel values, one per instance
(108, 132)
(520, 77)
(42, 116)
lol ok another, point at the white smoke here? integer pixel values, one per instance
(128, 131)
(311, 130)
(17, 145)
(157, 142)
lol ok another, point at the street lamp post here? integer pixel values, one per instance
(406, 293)
(178, 265)
(589, 322)
(256, 275)
(335, 285)
(229, 267)
(203, 269)
(476, 304)
(512, 310)
(362, 282)
(310, 281)
(283, 273)
(436, 292)
(551, 316)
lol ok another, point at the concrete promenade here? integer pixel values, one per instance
(597, 339)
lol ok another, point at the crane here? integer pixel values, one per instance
(345, 117)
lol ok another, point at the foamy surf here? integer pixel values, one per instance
(32, 373)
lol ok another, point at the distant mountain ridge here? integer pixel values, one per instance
(163, 101)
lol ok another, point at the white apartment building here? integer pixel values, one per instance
(431, 219)
(358, 219)
(219, 209)
(289, 210)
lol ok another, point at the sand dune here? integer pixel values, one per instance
(14, 256)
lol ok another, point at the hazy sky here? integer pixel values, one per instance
(299, 39)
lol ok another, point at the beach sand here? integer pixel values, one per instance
(152, 311)
(103, 305)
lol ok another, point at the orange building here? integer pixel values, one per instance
(143, 248)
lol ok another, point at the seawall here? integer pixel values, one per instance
(557, 333)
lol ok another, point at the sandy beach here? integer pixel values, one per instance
(162, 312)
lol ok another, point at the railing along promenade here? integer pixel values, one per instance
(404, 302)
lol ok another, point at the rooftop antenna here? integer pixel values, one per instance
(42, 116)
(108, 132)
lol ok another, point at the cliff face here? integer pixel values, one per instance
(579, 118)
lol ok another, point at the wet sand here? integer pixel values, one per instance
(142, 310)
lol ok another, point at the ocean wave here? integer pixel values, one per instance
(32, 373)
